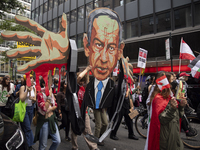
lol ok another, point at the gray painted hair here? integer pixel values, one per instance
(99, 12)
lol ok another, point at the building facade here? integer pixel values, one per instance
(5, 67)
(146, 24)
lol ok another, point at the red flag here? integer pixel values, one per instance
(162, 83)
(185, 51)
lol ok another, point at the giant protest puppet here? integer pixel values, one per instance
(52, 50)
(103, 46)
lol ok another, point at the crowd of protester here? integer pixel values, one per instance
(55, 106)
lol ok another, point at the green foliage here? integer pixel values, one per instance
(7, 5)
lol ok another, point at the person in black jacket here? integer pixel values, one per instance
(63, 110)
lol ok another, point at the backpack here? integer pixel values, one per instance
(10, 106)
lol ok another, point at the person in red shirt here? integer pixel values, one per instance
(81, 80)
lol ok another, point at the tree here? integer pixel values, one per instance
(7, 5)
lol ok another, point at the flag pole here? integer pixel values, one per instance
(179, 55)
(140, 75)
(196, 52)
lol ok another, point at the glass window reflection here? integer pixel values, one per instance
(55, 3)
(80, 13)
(41, 10)
(163, 22)
(49, 26)
(55, 24)
(97, 3)
(73, 16)
(183, 18)
(45, 7)
(197, 14)
(89, 8)
(146, 25)
(50, 4)
(118, 3)
(132, 29)
(80, 40)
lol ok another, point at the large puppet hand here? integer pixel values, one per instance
(127, 67)
(50, 47)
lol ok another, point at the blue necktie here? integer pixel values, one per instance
(98, 97)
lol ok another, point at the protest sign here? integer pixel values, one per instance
(142, 58)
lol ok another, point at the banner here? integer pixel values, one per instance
(142, 58)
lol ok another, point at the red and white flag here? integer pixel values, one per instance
(185, 51)
(162, 83)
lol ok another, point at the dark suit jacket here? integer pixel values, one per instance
(89, 96)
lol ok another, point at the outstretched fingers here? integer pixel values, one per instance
(22, 37)
(63, 26)
(31, 65)
(25, 51)
(34, 26)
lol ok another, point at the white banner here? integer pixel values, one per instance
(167, 48)
(142, 58)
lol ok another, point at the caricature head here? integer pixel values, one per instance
(103, 42)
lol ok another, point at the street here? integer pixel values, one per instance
(122, 144)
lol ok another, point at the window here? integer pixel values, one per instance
(49, 26)
(80, 41)
(183, 18)
(163, 22)
(146, 25)
(50, 4)
(13, 11)
(59, 19)
(6, 67)
(132, 29)
(73, 38)
(197, 14)
(2, 67)
(73, 16)
(61, 1)
(67, 18)
(89, 8)
(108, 3)
(28, 15)
(55, 3)
(118, 3)
(45, 7)
(55, 24)
(33, 14)
(97, 3)
(128, 1)
(45, 25)
(123, 36)
(41, 10)
(80, 13)
(36, 12)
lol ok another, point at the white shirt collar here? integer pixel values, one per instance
(96, 82)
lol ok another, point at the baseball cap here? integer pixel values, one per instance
(183, 74)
